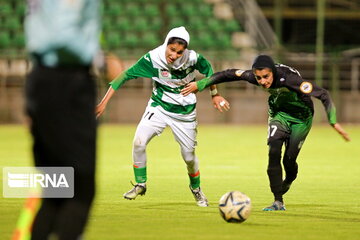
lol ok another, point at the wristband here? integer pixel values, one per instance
(213, 92)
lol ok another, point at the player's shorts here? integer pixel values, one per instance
(184, 132)
(289, 129)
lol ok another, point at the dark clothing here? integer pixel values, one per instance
(289, 93)
(60, 103)
(292, 134)
(290, 115)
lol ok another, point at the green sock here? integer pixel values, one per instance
(194, 180)
(140, 174)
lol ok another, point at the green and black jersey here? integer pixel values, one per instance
(290, 94)
(168, 82)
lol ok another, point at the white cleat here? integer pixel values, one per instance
(138, 189)
(199, 196)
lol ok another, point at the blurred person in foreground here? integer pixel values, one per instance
(170, 66)
(291, 113)
(62, 39)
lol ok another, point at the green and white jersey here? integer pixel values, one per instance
(168, 82)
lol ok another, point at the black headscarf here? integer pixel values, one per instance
(264, 61)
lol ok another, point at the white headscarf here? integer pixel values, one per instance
(188, 57)
(179, 32)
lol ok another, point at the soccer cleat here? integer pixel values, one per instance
(138, 189)
(276, 206)
(285, 186)
(199, 196)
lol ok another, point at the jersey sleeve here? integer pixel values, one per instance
(142, 68)
(204, 66)
(302, 86)
(229, 75)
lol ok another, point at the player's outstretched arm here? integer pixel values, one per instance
(100, 108)
(194, 87)
(341, 131)
(228, 75)
(190, 88)
(320, 93)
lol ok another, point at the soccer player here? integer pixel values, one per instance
(170, 66)
(291, 112)
(62, 39)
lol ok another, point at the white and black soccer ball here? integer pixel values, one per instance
(235, 207)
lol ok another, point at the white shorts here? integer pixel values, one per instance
(184, 132)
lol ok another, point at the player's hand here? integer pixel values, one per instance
(220, 103)
(189, 88)
(100, 108)
(341, 131)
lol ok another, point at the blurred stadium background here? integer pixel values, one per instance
(319, 38)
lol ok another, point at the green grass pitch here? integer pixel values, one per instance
(323, 203)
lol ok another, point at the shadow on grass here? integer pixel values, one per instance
(192, 207)
(175, 206)
(323, 212)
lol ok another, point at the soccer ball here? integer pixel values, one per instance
(235, 207)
